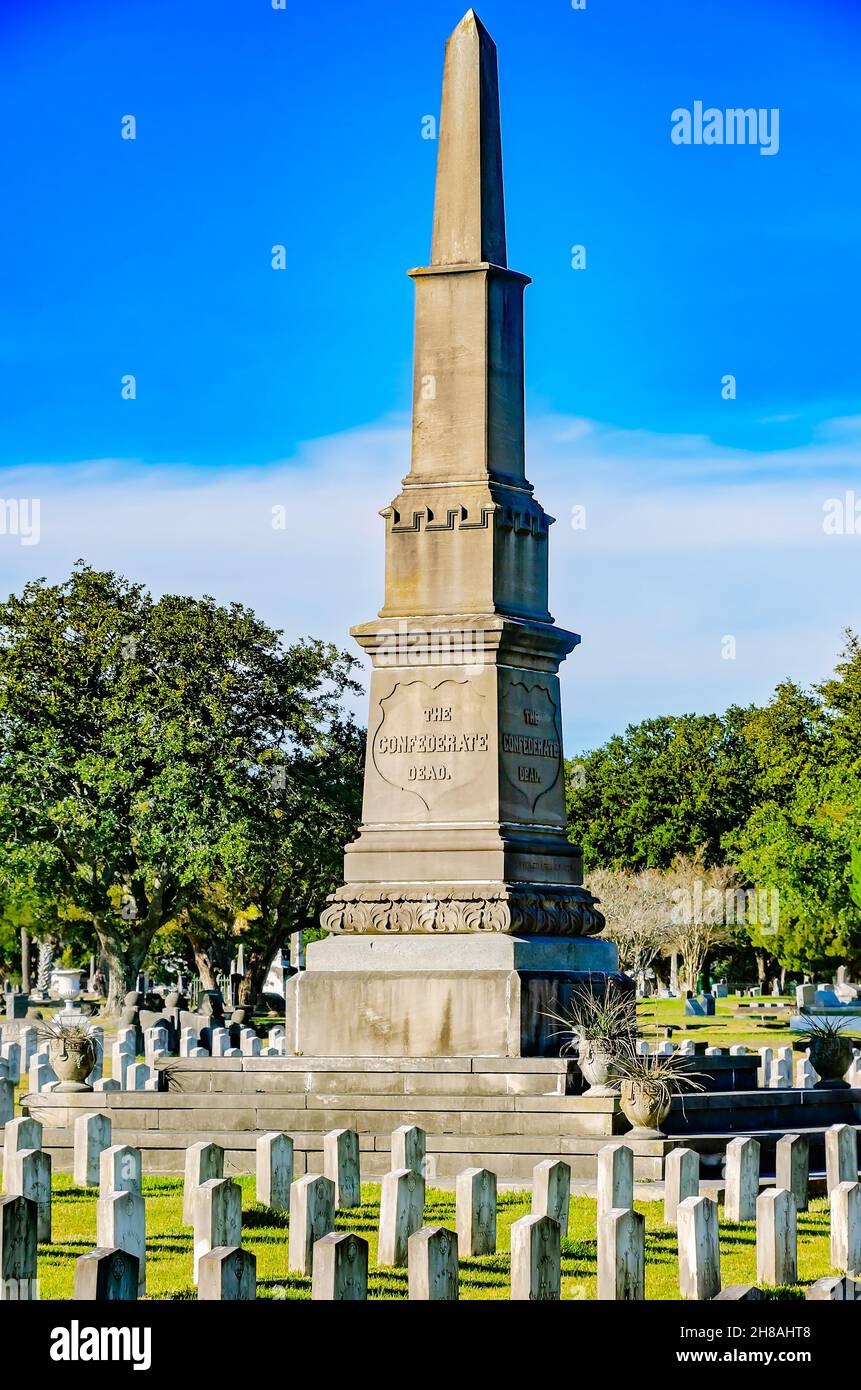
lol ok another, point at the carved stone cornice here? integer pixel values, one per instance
(382, 911)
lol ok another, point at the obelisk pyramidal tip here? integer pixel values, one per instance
(469, 212)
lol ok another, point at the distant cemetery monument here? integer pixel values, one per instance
(462, 924)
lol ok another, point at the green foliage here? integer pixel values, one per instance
(775, 792)
(135, 739)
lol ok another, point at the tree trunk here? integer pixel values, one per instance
(205, 965)
(761, 966)
(124, 960)
(25, 960)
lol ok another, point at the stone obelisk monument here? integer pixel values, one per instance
(462, 923)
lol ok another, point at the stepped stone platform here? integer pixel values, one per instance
(506, 1114)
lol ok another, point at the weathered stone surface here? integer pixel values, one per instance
(202, 1162)
(120, 1170)
(699, 1248)
(7, 1100)
(681, 1180)
(106, 1276)
(776, 1237)
(23, 1133)
(340, 1268)
(92, 1137)
(432, 1259)
(18, 1226)
(615, 1179)
(739, 1293)
(622, 1255)
(217, 1217)
(341, 1164)
(121, 1225)
(742, 1179)
(792, 1167)
(475, 1206)
(846, 1228)
(409, 1148)
(274, 1170)
(401, 1214)
(33, 1172)
(227, 1274)
(536, 1269)
(551, 1191)
(312, 1216)
(841, 1156)
(833, 1290)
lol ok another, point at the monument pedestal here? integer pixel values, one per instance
(487, 994)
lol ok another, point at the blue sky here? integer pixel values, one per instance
(258, 387)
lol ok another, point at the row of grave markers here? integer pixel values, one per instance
(338, 1262)
(779, 1068)
(25, 1056)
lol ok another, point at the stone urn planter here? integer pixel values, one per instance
(831, 1058)
(595, 1058)
(645, 1104)
(72, 1051)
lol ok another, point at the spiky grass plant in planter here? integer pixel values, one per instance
(830, 1049)
(599, 1026)
(73, 1052)
(649, 1080)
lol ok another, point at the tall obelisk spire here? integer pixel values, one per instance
(457, 930)
(469, 212)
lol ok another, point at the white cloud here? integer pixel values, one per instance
(685, 542)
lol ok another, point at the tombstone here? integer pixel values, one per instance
(18, 1135)
(312, 1215)
(41, 1075)
(709, 1005)
(805, 997)
(409, 1149)
(10, 1053)
(227, 1274)
(432, 1262)
(699, 1248)
(28, 1041)
(274, 1171)
(693, 1009)
(792, 1167)
(121, 1060)
(834, 1291)
(551, 1191)
(106, 1276)
(739, 1293)
(187, 1041)
(536, 1260)
(846, 1228)
(219, 1041)
(139, 1077)
(120, 1170)
(776, 1237)
(341, 1164)
(18, 1222)
(121, 1225)
(340, 1268)
(217, 1217)
(742, 1179)
(681, 1180)
(92, 1137)
(401, 1214)
(763, 1075)
(202, 1162)
(251, 1047)
(7, 1101)
(781, 1074)
(475, 1208)
(738, 1050)
(615, 1179)
(622, 1255)
(106, 1083)
(841, 1156)
(33, 1173)
(806, 1075)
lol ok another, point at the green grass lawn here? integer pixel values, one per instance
(725, 1029)
(169, 1245)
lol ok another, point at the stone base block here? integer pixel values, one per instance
(492, 995)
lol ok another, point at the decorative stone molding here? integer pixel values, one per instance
(571, 912)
